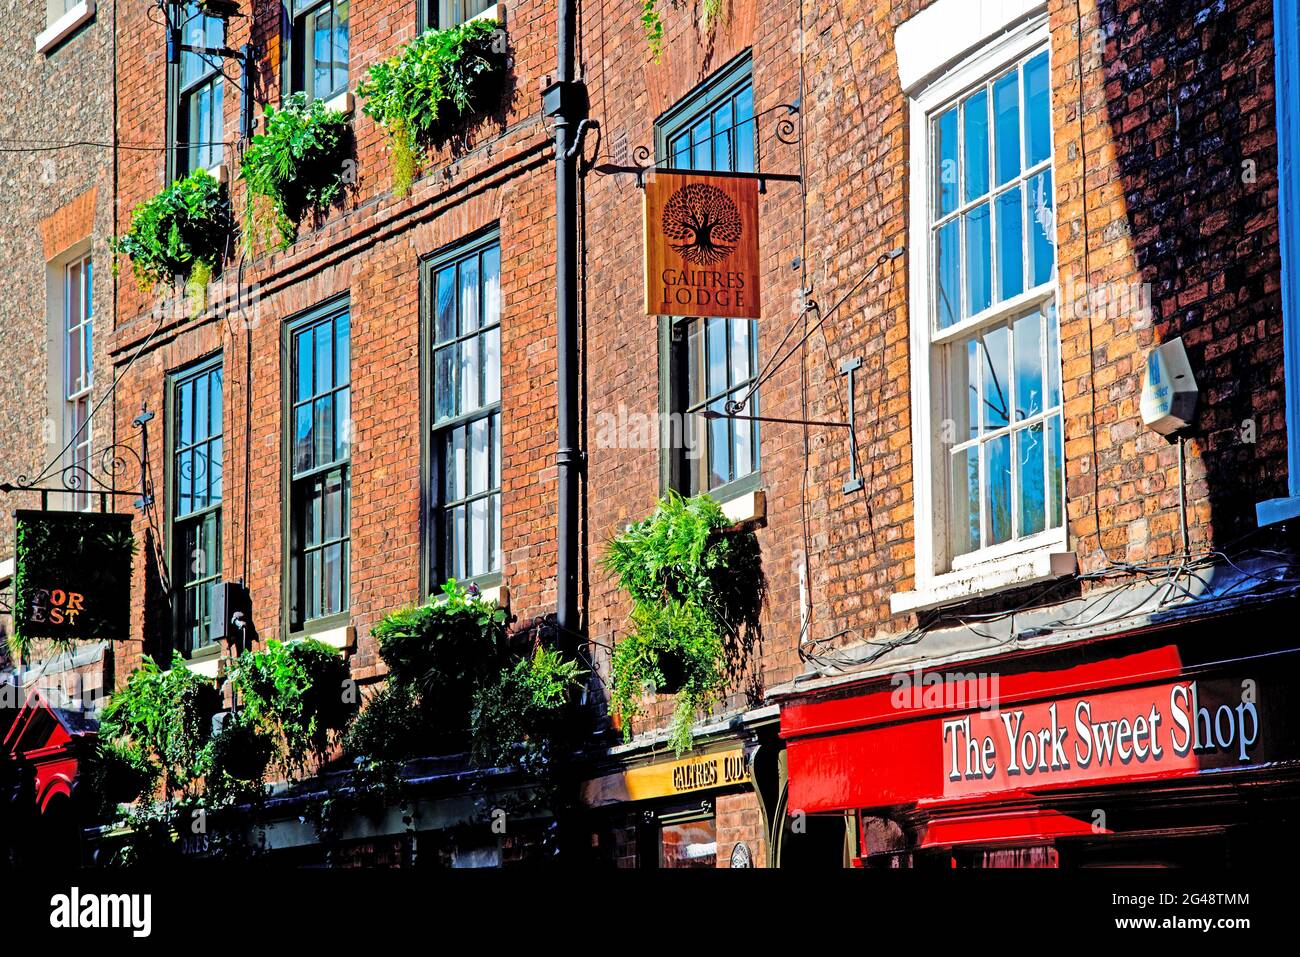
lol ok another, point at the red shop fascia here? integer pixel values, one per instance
(1171, 746)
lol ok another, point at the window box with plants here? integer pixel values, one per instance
(182, 233)
(697, 589)
(298, 165)
(421, 94)
(458, 681)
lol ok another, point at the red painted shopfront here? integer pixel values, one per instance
(1172, 747)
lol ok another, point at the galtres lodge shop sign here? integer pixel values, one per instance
(701, 246)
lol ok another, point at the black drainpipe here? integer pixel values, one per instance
(565, 101)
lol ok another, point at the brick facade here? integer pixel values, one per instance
(1165, 173)
(56, 174)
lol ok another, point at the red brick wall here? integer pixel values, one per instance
(370, 248)
(1165, 204)
(1172, 108)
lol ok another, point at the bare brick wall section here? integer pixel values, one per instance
(1175, 98)
(55, 193)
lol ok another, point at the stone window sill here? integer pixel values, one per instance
(1013, 571)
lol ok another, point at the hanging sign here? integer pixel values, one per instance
(701, 246)
(72, 576)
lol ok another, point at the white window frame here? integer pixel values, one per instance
(73, 395)
(61, 26)
(1286, 37)
(927, 46)
(57, 430)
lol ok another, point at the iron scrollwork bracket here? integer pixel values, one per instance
(117, 470)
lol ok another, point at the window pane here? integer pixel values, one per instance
(1006, 126)
(342, 26)
(332, 575)
(324, 429)
(469, 375)
(302, 438)
(702, 139)
(1038, 121)
(717, 356)
(455, 546)
(214, 401)
(479, 451)
(333, 527)
(201, 396)
(322, 43)
(742, 449)
(722, 127)
(214, 471)
(975, 115)
(965, 391)
(469, 295)
(679, 151)
(342, 425)
(454, 465)
(491, 285)
(998, 494)
(745, 130)
(1053, 358)
(323, 359)
(965, 507)
(342, 350)
(492, 366)
(496, 532)
(185, 483)
(445, 304)
(1042, 228)
(496, 450)
(1011, 246)
(1029, 465)
(1055, 476)
(979, 285)
(997, 361)
(945, 163)
(740, 330)
(185, 411)
(303, 358)
(1029, 368)
(947, 256)
(719, 447)
(444, 382)
(478, 537)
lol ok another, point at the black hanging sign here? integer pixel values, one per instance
(72, 577)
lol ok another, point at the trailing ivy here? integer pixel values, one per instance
(429, 85)
(296, 165)
(180, 232)
(299, 695)
(697, 590)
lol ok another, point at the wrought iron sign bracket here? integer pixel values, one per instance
(101, 477)
(854, 482)
(641, 172)
(786, 131)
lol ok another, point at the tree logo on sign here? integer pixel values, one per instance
(702, 224)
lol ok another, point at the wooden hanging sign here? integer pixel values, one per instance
(701, 246)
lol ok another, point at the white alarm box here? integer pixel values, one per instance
(1169, 390)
